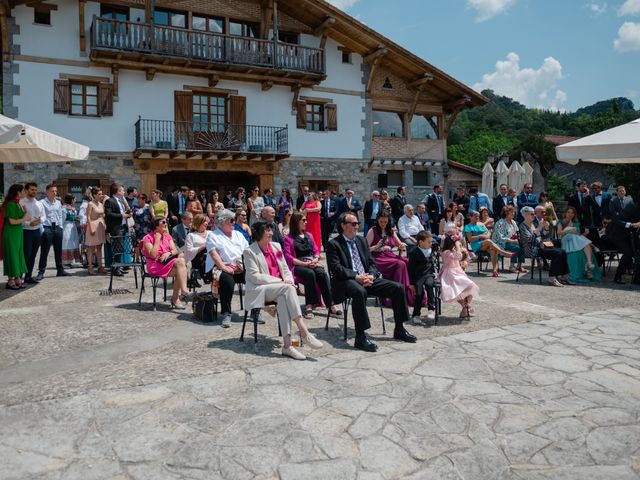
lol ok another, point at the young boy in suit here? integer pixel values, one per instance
(422, 275)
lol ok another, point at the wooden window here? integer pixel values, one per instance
(315, 117)
(244, 29)
(209, 113)
(388, 124)
(115, 13)
(289, 37)
(421, 178)
(383, 180)
(41, 16)
(82, 98)
(207, 24)
(78, 186)
(346, 57)
(170, 19)
(394, 178)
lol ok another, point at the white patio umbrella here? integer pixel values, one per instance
(487, 179)
(616, 145)
(502, 173)
(22, 143)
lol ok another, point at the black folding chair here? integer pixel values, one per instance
(125, 254)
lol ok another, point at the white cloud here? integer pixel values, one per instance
(628, 37)
(632, 94)
(630, 7)
(488, 9)
(597, 8)
(343, 4)
(532, 87)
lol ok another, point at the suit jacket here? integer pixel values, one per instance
(343, 206)
(617, 228)
(113, 216)
(368, 209)
(257, 273)
(397, 207)
(172, 202)
(433, 209)
(499, 203)
(420, 266)
(333, 207)
(299, 202)
(617, 206)
(583, 209)
(599, 211)
(463, 200)
(179, 235)
(340, 266)
(525, 200)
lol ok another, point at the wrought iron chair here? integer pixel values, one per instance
(155, 280)
(125, 254)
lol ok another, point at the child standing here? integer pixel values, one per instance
(422, 275)
(455, 284)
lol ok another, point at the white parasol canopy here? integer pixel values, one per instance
(22, 143)
(616, 145)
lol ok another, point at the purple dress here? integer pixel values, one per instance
(456, 285)
(392, 266)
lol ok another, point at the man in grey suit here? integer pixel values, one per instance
(620, 202)
(180, 231)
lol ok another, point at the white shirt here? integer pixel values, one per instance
(52, 212)
(599, 199)
(409, 227)
(229, 249)
(82, 213)
(192, 244)
(35, 210)
(121, 201)
(426, 252)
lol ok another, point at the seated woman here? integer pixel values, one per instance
(382, 239)
(224, 247)
(506, 236)
(533, 246)
(303, 255)
(241, 224)
(582, 261)
(478, 238)
(448, 223)
(195, 245)
(455, 284)
(486, 219)
(549, 210)
(269, 280)
(164, 260)
(193, 204)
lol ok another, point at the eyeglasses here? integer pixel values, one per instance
(354, 224)
(304, 220)
(162, 222)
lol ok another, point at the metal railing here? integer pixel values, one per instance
(121, 35)
(183, 136)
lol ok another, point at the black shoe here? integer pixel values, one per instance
(404, 336)
(62, 273)
(117, 272)
(363, 343)
(39, 277)
(31, 280)
(619, 281)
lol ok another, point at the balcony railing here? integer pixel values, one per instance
(120, 35)
(224, 137)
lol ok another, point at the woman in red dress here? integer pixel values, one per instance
(311, 209)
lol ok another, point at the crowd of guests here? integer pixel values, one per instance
(274, 244)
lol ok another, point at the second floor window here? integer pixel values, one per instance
(315, 117)
(207, 24)
(388, 124)
(170, 19)
(289, 37)
(243, 29)
(114, 13)
(209, 113)
(84, 98)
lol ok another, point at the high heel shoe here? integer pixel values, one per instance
(101, 270)
(465, 312)
(176, 306)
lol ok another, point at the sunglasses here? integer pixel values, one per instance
(162, 222)
(304, 220)
(354, 224)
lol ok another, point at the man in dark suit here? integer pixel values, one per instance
(370, 210)
(397, 204)
(620, 233)
(526, 199)
(462, 200)
(354, 274)
(620, 202)
(580, 201)
(422, 276)
(303, 197)
(502, 200)
(268, 214)
(598, 204)
(117, 212)
(435, 207)
(348, 203)
(180, 231)
(177, 205)
(327, 217)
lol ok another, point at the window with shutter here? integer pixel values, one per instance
(238, 111)
(61, 96)
(301, 115)
(332, 116)
(106, 99)
(183, 116)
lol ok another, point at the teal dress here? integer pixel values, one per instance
(475, 231)
(573, 244)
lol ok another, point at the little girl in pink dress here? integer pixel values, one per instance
(456, 285)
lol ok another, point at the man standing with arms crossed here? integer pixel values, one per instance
(52, 233)
(32, 230)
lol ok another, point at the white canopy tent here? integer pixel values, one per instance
(22, 143)
(616, 145)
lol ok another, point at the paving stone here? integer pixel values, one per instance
(321, 470)
(520, 447)
(382, 455)
(482, 462)
(563, 363)
(366, 425)
(516, 418)
(613, 445)
(580, 473)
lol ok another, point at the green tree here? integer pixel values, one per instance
(475, 150)
(628, 176)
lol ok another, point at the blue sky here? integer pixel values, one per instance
(558, 54)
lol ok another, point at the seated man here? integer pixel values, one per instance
(408, 227)
(422, 276)
(354, 275)
(180, 231)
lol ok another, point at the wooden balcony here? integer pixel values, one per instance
(168, 46)
(186, 140)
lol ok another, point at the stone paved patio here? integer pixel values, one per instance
(93, 387)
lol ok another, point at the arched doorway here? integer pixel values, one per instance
(207, 181)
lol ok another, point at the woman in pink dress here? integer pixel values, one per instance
(96, 227)
(456, 285)
(311, 209)
(382, 239)
(164, 260)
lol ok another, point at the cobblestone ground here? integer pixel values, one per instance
(543, 384)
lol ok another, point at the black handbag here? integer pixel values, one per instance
(205, 307)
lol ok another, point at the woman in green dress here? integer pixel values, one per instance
(12, 248)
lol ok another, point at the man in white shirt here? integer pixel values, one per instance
(52, 233)
(32, 230)
(408, 226)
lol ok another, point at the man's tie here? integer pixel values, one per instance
(349, 203)
(440, 209)
(355, 256)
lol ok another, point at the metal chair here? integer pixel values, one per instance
(125, 253)
(154, 282)
(534, 260)
(609, 257)
(255, 314)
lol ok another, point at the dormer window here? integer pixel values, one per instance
(346, 57)
(387, 84)
(42, 13)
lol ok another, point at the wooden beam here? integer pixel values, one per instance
(266, 17)
(206, 155)
(155, 154)
(253, 156)
(296, 93)
(236, 156)
(151, 73)
(191, 154)
(5, 12)
(266, 85)
(224, 156)
(173, 154)
(213, 80)
(380, 52)
(115, 71)
(426, 78)
(221, 91)
(372, 73)
(147, 11)
(327, 24)
(83, 38)
(414, 105)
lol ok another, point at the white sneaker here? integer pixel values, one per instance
(293, 353)
(226, 321)
(312, 341)
(431, 315)
(416, 321)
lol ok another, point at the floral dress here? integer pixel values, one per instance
(142, 221)
(70, 238)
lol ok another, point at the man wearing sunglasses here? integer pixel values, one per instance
(354, 275)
